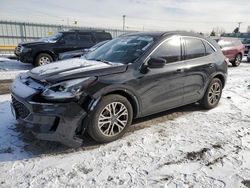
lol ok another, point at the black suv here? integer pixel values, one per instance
(46, 50)
(129, 77)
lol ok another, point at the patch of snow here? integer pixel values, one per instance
(9, 68)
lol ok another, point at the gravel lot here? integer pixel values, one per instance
(184, 147)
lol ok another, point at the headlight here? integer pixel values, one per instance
(25, 49)
(71, 89)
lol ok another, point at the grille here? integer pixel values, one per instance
(18, 49)
(21, 110)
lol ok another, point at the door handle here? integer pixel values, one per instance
(179, 71)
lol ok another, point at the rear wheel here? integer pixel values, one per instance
(212, 95)
(43, 59)
(110, 119)
(237, 60)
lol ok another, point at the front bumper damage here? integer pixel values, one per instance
(48, 121)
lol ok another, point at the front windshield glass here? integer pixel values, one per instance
(122, 50)
(53, 38)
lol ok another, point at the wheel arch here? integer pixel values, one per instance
(130, 97)
(45, 52)
(222, 79)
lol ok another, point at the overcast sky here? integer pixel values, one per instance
(197, 15)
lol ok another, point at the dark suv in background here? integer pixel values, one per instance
(46, 50)
(132, 76)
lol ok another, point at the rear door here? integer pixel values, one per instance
(200, 65)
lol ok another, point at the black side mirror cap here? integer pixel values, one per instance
(156, 62)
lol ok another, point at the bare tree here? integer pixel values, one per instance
(236, 30)
(219, 30)
(212, 33)
(248, 29)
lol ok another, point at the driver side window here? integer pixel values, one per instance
(170, 50)
(70, 39)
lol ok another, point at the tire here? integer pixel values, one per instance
(43, 59)
(101, 131)
(237, 60)
(214, 90)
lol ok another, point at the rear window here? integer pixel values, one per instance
(225, 43)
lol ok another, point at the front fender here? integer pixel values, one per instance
(125, 91)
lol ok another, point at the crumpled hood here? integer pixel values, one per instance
(74, 68)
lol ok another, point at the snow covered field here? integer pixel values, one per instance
(184, 147)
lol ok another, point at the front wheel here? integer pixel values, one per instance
(43, 59)
(237, 60)
(212, 95)
(110, 119)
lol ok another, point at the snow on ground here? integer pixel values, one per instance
(196, 149)
(9, 68)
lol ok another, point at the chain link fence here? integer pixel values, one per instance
(12, 33)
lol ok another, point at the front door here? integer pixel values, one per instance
(162, 88)
(69, 43)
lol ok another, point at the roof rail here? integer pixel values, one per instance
(93, 30)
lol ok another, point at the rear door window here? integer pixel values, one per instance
(194, 48)
(208, 47)
(169, 50)
(85, 38)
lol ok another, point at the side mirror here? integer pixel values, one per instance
(156, 62)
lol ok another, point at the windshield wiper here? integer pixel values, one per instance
(103, 61)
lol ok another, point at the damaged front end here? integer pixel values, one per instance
(53, 111)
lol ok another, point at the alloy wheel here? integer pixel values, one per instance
(214, 93)
(238, 59)
(113, 119)
(44, 60)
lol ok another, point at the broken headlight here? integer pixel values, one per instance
(70, 89)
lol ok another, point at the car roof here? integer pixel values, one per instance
(163, 34)
(83, 31)
(158, 34)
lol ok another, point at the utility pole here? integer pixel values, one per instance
(67, 21)
(124, 20)
(239, 25)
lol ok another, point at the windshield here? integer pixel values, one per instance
(53, 38)
(122, 50)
